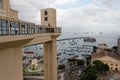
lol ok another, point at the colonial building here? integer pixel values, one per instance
(102, 47)
(112, 60)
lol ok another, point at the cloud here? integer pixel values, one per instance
(63, 2)
(90, 17)
(108, 3)
(29, 10)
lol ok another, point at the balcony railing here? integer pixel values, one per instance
(22, 28)
(48, 30)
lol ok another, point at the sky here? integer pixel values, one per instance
(74, 15)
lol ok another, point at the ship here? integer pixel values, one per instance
(89, 39)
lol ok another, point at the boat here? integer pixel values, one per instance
(89, 39)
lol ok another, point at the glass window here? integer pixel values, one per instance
(14, 28)
(31, 29)
(37, 29)
(24, 28)
(3, 27)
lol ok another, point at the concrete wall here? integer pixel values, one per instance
(7, 11)
(6, 7)
(50, 60)
(11, 64)
(14, 14)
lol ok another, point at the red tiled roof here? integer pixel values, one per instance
(103, 54)
(29, 52)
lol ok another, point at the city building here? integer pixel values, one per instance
(102, 47)
(30, 54)
(112, 60)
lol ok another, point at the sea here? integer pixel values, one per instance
(75, 47)
(109, 39)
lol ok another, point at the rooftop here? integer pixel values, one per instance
(103, 54)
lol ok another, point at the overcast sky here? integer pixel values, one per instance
(74, 15)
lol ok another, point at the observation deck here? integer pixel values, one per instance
(13, 31)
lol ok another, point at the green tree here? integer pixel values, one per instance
(100, 66)
(90, 73)
(72, 61)
(24, 69)
(106, 68)
(62, 66)
(80, 63)
(88, 59)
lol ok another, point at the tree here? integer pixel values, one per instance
(62, 66)
(24, 69)
(106, 68)
(80, 63)
(90, 73)
(88, 59)
(89, 67)
(100, 66)
(72, 61)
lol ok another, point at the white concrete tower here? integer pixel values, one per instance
(48, 19)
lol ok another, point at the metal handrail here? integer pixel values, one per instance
(24, 28)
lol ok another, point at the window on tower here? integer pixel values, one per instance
(45, 13)
(46, 18)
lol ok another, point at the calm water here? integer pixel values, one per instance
(76, 47)
(110, 40)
